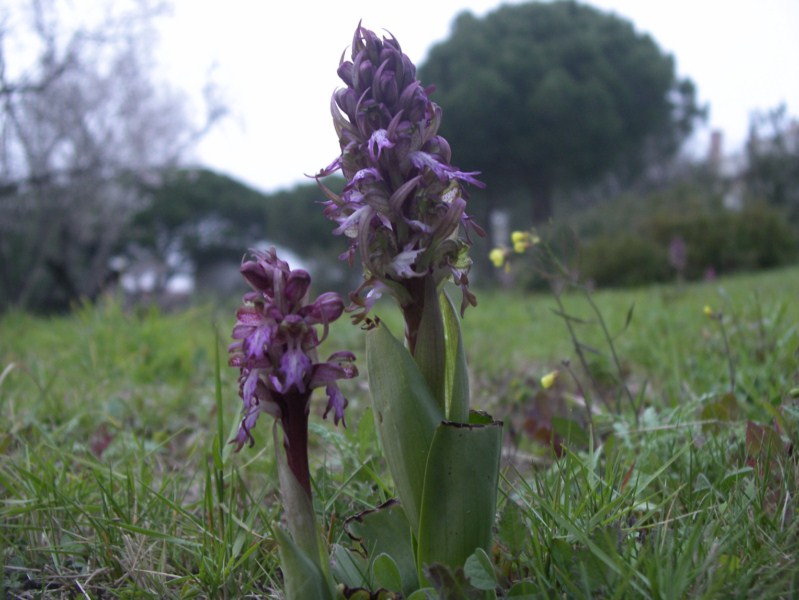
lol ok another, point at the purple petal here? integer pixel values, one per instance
(341, 356)
(349, 226)
(241, 332)
(297, 286)
(330, 169)
(402, 193)
(248, 315)
(260, 402)
(451, 218)
(295, 366)
(467, 177)
(402, 264)
(258, 278)
(325, 309)
(368, 175)
(248, 388)
(329, 372)
(379, 140)
(337, 403)
(243, 436)
(257, 342)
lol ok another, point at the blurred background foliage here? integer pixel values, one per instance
(576, 121)
(545, 97)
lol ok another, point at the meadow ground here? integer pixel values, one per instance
(661, 463)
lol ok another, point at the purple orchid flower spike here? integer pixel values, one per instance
(275, 350)
(403, 205)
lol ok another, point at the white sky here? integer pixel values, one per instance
(276, 64)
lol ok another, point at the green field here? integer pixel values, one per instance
(681, 483)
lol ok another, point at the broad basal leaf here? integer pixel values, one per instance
(459, 501)
(406, 414)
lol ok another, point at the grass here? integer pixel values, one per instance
(116, 482)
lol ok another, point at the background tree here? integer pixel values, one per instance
(542, 96)
(772, 152)
(82, 121)
(195, 220)
(201, 222)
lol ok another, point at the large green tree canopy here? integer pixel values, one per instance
(545, 95)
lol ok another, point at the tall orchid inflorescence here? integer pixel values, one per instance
(403, 203)
(403, 207)
(275, 351)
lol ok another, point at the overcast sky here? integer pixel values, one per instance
(276, 65)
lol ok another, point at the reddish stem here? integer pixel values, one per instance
(294, 411)
(412, 312)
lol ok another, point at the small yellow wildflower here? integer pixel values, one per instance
(519, 236)
(548, 380)
(708, 310)
(522, 240)
(497, 256)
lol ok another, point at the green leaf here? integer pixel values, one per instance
(385, 573)
(451, 584)
(457, 372)
(406, 415)
(523, 590)
(348, 567)
(724, 409)
(430, 352)
(460, 491)
(561, 551)
(424, 594)
(440, 355)
(733, 476)
(513, 529)
(385, 530)
(302, 576)
(763, 442)
(367, 436)
(480, 571)
(356, 594)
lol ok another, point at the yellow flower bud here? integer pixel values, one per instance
(548, 380)
(518, 237)
(522, 240)
(708, 310)
(497, 256)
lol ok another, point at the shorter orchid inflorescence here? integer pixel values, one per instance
(275, 349)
